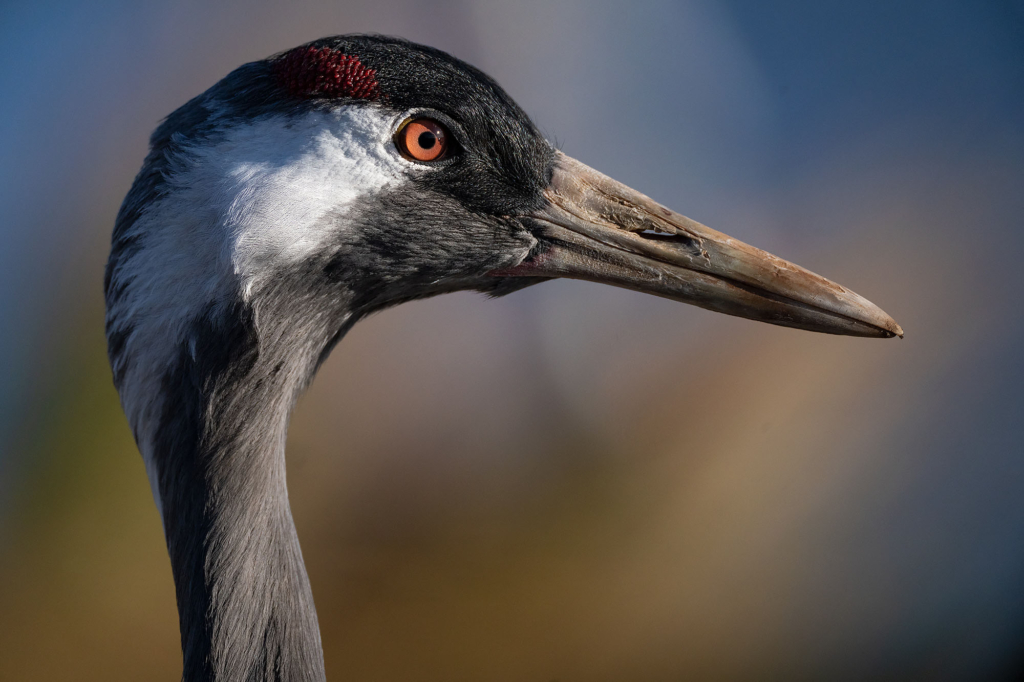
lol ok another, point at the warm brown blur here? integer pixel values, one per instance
(575, 482)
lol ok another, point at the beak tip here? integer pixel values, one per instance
(870, 314)
(890, 327)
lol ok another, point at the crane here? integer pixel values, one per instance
(298, 195)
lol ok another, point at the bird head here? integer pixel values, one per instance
(296, 196)
(309, 189)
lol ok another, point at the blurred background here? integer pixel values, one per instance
(574, 482)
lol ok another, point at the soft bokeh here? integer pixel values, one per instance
(574, 482)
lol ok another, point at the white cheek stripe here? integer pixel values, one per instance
(235, 212)
(276, 180)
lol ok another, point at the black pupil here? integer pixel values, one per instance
(427, 140)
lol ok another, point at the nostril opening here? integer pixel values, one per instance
(658, 235)
(680, 240)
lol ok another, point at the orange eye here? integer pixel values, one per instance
(422, 139)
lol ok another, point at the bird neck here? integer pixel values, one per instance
(244, 601)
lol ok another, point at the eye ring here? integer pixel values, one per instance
(423, 139)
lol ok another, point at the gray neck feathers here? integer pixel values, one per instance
(244, 601)
(215, 324)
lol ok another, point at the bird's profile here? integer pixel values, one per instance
(304, 192)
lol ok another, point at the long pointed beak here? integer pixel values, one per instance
(594, 228)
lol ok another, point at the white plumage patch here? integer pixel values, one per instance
(275, 184)
(235, 211)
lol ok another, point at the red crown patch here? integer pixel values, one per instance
(325, 72)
